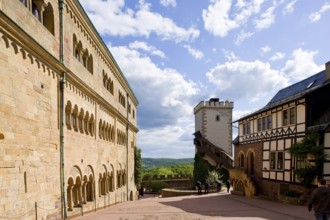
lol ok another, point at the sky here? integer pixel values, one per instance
(176, 53)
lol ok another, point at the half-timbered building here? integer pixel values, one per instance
(263, 164)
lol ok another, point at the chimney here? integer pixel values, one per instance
(327, 71)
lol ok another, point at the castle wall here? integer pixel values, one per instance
(99, 130)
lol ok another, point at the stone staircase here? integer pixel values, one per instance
(206, 148)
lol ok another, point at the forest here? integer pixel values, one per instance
(166, 166)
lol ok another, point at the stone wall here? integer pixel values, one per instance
(99, 128)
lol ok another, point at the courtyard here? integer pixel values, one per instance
(200, 207)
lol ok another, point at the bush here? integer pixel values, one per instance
(292, 193)
(156, 186)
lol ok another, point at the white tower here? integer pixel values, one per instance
(213, 119)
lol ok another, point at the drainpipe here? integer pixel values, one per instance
(127, 148)
(62, 118)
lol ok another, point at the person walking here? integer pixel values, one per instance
(228, 186)
(320, 201)
(207, 185)
(199, 187)
(218, 185)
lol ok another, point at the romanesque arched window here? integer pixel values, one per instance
(106, 137)
(84, 58)
(36, 10)
(90, 188)
(118, 179)
(48, 18)
(75, 118)
(100, 129)
(103, 184)
(91, 125)
(105, 78)
(86, 127)
(241, 160)
(74, 44)
(69, 194)
(90, 64)
(77, 51)
(24, 2)
(81, 120)
(68, 109)
(103, 130)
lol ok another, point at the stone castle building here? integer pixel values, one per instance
(67, 114)
(213, 130)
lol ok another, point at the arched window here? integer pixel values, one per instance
(241, 160)
(103, 184)
(84, 58)
(103, 131)
(48, 18)
(74, 44)
(112, 134)
(100, 129)
(80, 121)
(91, 125)
(24, 2)
(90, 64)
(118, 179)
(86, 122)
(35, 10)
(106, 137)
(78, 50)
(68, 115)
(105, 79)
(75, 118)
(90, 188)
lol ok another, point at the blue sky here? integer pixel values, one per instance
(176, 53)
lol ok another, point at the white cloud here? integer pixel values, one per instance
(166, 102)
(123, 21)
(166, 93)
(266, 19)
(265, 49)
(240, 80)
(230, 55)
(168, 3)
(277, 56)
(172, 141)
(197, 54)
(314, 17)
(301, 65)
(289, 8)
(144, 46)
(242, 36)
(221, 17)
(237, 114)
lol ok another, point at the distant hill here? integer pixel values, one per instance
(164, 162)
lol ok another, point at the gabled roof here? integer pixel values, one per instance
(294, 92)
(298, 89)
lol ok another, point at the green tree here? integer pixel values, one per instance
(213, 176)
(313, 167)
(137, 167)
(201, 169)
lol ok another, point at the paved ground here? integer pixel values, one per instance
(200, 207)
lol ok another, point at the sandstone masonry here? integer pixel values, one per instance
(67, 114)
